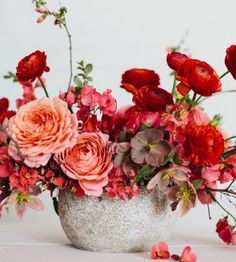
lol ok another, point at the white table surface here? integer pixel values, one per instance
(46, 242)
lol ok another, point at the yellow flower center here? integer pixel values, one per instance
(168, 174)
(185, 194)
(27, 175)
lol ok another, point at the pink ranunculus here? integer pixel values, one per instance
(88, 161)
(41, 128)
(107, 103)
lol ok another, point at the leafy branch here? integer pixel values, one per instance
(11, 76)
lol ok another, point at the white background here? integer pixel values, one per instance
(116, 35)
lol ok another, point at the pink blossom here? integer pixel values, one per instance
(198, 117)
(89, 97)
(28, 94)
(225, 231)
(23, 200)
(107, 103)
(40, 10)
(6, 166)
(160, 251)
(41, 19)
(70, 98)
(211, 174)
(186, 256)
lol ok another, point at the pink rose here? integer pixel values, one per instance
(89, 162)
(41, 128)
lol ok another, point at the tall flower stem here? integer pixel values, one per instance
(43, 86)
(174, 85)
(224, 74)
(193, 101)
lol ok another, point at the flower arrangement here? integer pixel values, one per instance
(81, 142)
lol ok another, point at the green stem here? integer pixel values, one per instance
(193, 101)
(230, 138)
(219, 93)
(224, 74)
(229, 153)
(44, 87)
(174, 85)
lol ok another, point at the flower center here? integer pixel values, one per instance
(168, 174)
(22, 197)
(27, 175)
(185, 194)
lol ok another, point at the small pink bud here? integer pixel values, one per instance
(40, 19)
(40, 10)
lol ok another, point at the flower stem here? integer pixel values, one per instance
(219, 93)
(229, 153)
(43, 86)
(232, 137)
(193, 101)
(70, 50)
(224, 74)
(174, 86)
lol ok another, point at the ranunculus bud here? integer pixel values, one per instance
(230, 60)
(176, 59)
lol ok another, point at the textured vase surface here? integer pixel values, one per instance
(104, 225)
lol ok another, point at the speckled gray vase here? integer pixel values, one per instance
(103, 225)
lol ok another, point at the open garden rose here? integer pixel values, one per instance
(41, 128)
(134, 79)
(198, 76)
(88, 161)
(32, 66)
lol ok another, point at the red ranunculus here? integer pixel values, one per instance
(152, 99)
(4, 113)
(134, 79)
(224, 230)
(32, 66)
(175, 60)
(230, 60)
(203, 145)
(198, 76)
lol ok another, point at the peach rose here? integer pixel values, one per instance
(88, 161)
(41, 128)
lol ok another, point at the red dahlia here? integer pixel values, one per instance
(203, 145)
(32, 66)
(134, 79)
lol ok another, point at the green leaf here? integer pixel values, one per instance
(55, 205)
(145, 171)
(78, 81)
(78, 90)
(89, 78)
(88, 69)
(197, 183)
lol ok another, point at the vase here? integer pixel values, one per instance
(105, 225)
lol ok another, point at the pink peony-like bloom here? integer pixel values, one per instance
(160, 251)
(88, 161)
(107, 103)
(41, 128)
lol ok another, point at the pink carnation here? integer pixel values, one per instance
(41, 128)
(89, 162)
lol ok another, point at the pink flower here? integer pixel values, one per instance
(28, 94)
(198, 117)
(70, 98)
(23, 200)
(107, 103)
(165, 176)
(24, 178)
(88, 161)
(6, 166)
(41, 128)
(186, 256)
(160, 251)
(184, 196)
(211, 174)
(89, 97)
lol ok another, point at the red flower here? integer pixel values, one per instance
(203, 145)
(134, 79)
(32, 66)
(175, 60)
(224, 230)
(198, 76)
(153, 99)
(230, 60)
(4, 104)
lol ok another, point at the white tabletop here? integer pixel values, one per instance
(38, 242)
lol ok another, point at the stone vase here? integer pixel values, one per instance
(104, 225)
